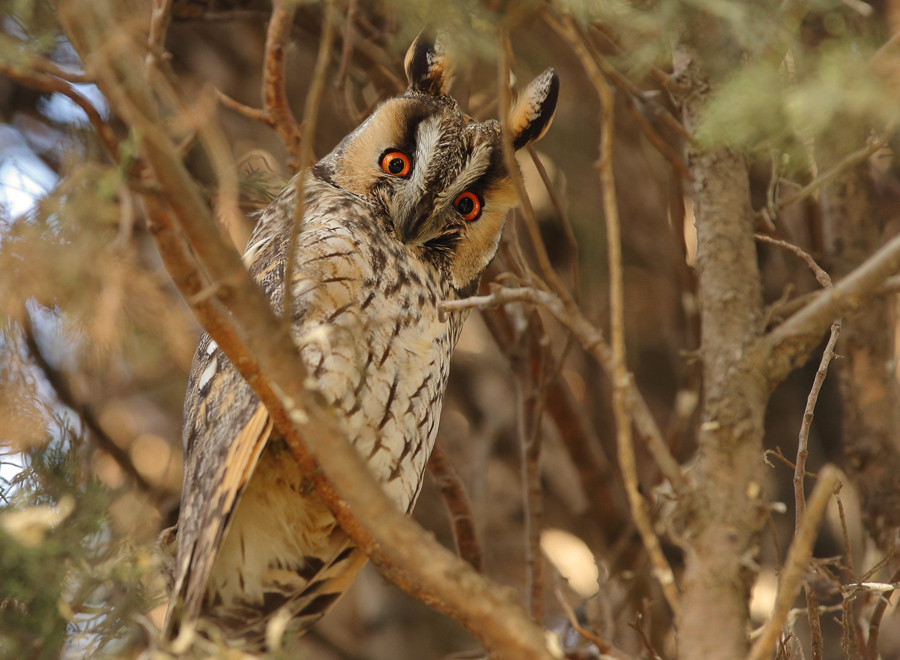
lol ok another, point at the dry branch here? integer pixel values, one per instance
(341, 91)
(571, 241)
(459, 507)
(275, 101)
(46, 82)
(529, 367)
(797, 562)
(58, 381)
(877, 615)
(769, 214)
(621, 378)
(509, 157)
(276, 111)
(789, 344)
(812, 602)
(305, 156)
(593, 343)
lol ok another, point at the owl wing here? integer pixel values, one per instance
(225, 431)
(218, 464)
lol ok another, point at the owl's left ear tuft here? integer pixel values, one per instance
(533, 113)
(428, 68)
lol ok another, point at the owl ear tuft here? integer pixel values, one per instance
(428, 68)
(533, 112)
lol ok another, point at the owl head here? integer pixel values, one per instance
(435, 177)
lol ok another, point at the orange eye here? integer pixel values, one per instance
(396, 163)
(469, 205)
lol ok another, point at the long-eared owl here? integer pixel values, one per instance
(404, 213)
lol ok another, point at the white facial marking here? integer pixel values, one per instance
(428, 135)
(476, 165)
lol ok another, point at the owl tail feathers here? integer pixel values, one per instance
(282, 614)
(306, 608)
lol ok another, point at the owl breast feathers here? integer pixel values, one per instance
(405, 212)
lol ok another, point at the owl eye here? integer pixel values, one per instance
(469, 206)
(396, 163)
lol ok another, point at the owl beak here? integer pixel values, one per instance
(416, 223)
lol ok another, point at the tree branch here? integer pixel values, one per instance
(459, 507)
(160, 497)
(622, 379)
(789, 344)
(50, 83)
(799, 554)
(593, 343)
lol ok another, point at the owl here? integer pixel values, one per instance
(406, 212)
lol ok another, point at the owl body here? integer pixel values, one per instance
(404, 213)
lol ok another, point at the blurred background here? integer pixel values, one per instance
(96, 342)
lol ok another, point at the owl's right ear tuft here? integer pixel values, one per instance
(428, 68)
(533, 113)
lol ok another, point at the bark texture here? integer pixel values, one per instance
(726, 515)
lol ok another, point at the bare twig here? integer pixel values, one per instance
(781, 457)
(622, 379)
(667, 152)
(227, 192)
(310, 118)
(529, 365)
(593, 638)
(43, 65)
(848, 551)
(770, 213)
(648, 645)
(160, 17)
(790, 342)
(875, 619)
(785, 310)
(812, 602)
(60, 385)
(636, 101)
(561, 214)
(509, 156)
(49, 83)
(459, 508)
(577, 432)
(275, 100)
(796, 564)
(822, 277)
(340, 81)
(592, 341)
(276, 111)
(256, 114)
(639, 98)
(662, 78)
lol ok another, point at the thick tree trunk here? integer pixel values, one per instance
(726, 515)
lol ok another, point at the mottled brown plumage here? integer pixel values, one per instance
(376, 252)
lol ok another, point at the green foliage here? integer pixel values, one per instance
(67, 581)
(760, 107)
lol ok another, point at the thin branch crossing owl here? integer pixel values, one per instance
(404, 213)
